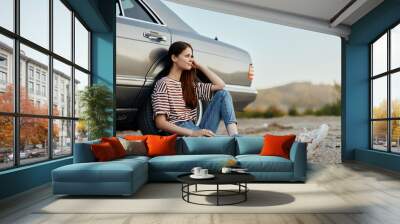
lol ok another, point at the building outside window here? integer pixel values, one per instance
(37, 75)
(38, 89)
(30, 72)
(43, 90)
(385, 92)
(43, 77)
(3, 72)
(57, 128)
(3, 80)
(30, 87)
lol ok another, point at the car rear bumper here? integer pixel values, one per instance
(241, 95)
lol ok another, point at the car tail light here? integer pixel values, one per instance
(250, 73)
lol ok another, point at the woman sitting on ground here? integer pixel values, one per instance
(176, 93)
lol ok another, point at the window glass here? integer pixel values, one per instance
(62, 91)
(6, 74)
(395, 47)
(81, 131)
(81, 45)
(62, 29)
(81, 81)
(379, 100)
(7, 14)
(33, 139)
(39, 62)
(6, 142)
(118, 9)
(395, 136)
(395, 95)
(62, 138)
(379, 135)
(35, 21)
(379, 55)
(135, 10)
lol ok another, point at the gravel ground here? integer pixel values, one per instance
(328, 153)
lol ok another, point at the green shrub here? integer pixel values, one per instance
(293, 111)
(96, 102)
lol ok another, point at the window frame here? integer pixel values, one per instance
(16, 62)
(388, 74)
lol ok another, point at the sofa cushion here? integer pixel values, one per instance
(207, 145)
(134, 147)
(111, 171)
(116, 145)
(249, 144)
(277, 145)
(103, 151)
(130, 158)
(136, 137)
(257, 163)
(161, 145)
(185, 163)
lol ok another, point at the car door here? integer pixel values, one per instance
(142, 39)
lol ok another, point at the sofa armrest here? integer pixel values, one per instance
(298, 155)
(83, 152)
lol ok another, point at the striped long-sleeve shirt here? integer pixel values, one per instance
(167, 98)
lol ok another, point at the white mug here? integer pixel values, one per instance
(196, 170)
(203, 172)
(226, 170)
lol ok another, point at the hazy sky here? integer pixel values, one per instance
(280, 54)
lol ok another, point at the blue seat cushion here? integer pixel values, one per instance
(111, 171)
(206, 145)
(257, 163)
(132, 158)
(185, 163)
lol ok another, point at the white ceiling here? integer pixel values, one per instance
(325, 16)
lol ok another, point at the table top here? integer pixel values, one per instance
(220, 178)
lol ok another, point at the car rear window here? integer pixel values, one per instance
(135, 10)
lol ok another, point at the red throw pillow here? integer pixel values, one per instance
(275, 145)
(161, 145)
(116, 145)
(103, 151)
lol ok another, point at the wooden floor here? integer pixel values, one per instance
(377, 188)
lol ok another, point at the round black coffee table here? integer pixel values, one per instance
(238, 179)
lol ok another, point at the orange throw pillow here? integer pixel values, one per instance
(136, 137)
(161, 145)
(116, 145)
(103, 151)
(275, 145)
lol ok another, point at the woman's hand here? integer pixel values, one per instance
(196, 64)
(203, 132)
(217, 82)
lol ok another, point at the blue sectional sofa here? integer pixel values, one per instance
(125, 176)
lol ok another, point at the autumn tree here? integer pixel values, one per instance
(33, 131)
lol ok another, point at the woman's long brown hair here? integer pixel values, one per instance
(188, 77)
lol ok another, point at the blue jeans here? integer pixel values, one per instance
(219, 108)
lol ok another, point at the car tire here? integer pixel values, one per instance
(146, 123)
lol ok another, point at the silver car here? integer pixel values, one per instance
(145, 30)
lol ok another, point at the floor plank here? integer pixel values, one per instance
(377, 190)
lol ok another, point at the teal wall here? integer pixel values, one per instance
(103, 54)
(356, 103)
(99, 16)
(24, 178)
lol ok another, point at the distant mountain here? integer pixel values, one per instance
(302, 95)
